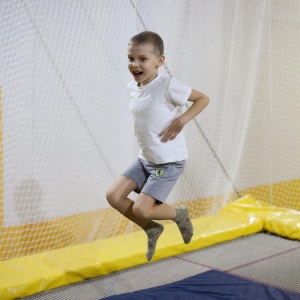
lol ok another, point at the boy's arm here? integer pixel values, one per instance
(199, 103)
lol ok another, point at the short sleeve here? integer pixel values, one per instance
(178, 93)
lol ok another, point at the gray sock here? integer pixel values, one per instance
(153, 231)
(184, 223)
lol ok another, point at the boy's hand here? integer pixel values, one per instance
(199, 103)
(172, 130)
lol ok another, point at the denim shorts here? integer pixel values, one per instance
(154, 180)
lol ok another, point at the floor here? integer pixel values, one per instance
(261, 257)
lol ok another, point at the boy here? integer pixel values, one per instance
(155, 102)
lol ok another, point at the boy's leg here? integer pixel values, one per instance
(184, 223)
(158, 186)
(145, 207)
(117, 196)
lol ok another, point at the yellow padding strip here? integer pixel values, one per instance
(285, 224)
(281, 221)
(20, 277)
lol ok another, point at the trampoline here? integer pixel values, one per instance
(260, 266)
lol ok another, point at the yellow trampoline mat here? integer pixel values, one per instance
(23, 276)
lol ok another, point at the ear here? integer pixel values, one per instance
(161, 60)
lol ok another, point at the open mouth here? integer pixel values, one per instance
(137, 74)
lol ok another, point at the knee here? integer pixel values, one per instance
(112, 197)
(140, 211)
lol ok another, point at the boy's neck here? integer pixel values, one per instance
(139, 84)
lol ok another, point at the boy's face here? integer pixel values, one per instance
(143, 63)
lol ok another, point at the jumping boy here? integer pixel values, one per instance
(155, 102)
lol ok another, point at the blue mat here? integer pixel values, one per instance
(211, 285)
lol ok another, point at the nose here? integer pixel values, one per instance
(135, 64)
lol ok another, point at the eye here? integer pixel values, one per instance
(130, 59)
(143, 59)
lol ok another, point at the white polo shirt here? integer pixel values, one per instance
(154, 106)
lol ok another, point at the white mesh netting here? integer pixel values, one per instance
(67, 131)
